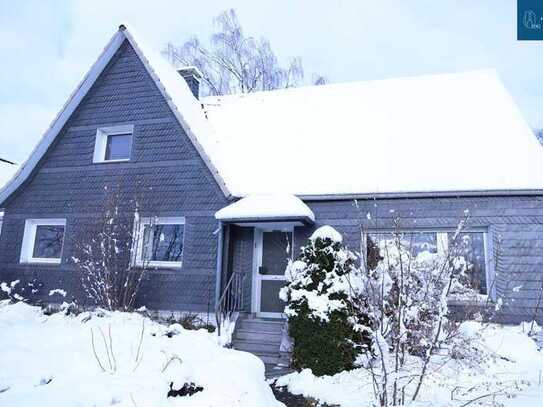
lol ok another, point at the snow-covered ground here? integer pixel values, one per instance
(49, 361)
(510, 373)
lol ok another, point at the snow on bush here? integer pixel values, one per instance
(49, 361)
(406, 295)
(323, 322)
(508, 375)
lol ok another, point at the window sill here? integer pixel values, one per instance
(161, 265)
(45, 262)
(469, 299)
(121, 160)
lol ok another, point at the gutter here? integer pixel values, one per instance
(424, 194)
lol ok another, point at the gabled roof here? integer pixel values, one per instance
(173, 87)
(430, 135)
(453, 134)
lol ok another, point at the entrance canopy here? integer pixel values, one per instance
(254, 209)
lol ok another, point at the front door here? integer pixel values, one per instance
(273, 250)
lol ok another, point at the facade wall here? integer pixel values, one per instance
(165, 175)
(514, 227)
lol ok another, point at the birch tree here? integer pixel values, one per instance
(233, 62)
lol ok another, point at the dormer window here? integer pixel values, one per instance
(113, 144)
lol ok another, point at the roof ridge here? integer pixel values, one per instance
(490, 71)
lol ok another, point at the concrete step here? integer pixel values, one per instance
(261, 325)
(268, 358)
(256, 347)
(258, 336)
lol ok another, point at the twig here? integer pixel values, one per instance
(172, 358)
(94, 351)
(133, 401)
(107, 348)
(111, 349)
(141, 340)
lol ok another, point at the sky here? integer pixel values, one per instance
(47, 46)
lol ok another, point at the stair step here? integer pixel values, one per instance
(268, 358)
(256, 347)
(261, 325)
(258, 336)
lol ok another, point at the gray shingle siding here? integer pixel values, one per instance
(165, 173)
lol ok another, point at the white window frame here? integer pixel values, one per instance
(443, 246)
(138, 237)
(100, 144)
(29, 240)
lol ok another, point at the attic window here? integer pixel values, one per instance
(113, 144)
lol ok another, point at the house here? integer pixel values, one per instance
(238, 183)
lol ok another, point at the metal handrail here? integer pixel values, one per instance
(230, 299)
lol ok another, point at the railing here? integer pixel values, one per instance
(231, 299)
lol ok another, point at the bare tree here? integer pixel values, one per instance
(105, 253)
(236, 63)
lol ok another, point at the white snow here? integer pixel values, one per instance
(48, 361)
(513, 369)
(327, 232)
(450, 132)
(189, 109)
(57, 291)
(266, 206)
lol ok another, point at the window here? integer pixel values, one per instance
(160, 242)
(43, 240)
(113, 144)
(470, 244)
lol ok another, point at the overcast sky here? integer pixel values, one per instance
(47, 46)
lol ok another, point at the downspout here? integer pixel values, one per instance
(218, 279)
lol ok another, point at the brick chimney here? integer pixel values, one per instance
(192, 76)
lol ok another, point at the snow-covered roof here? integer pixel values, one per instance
(269, 207)
(454, 132)
(457, 133)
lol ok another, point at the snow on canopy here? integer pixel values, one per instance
(450, 132)
(266, 206)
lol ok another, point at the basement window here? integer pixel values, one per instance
(43, 241)
(113, 144)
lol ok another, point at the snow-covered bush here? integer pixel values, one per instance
(328, 331)
(406, 296)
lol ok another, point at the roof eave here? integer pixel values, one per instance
(422, 194)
